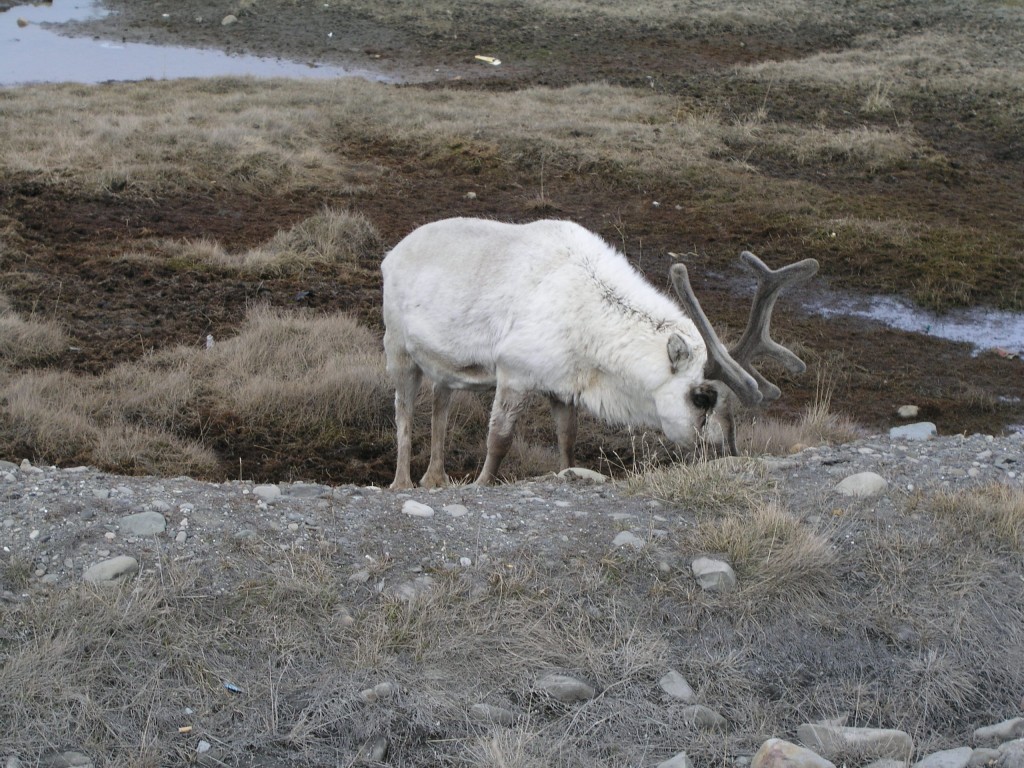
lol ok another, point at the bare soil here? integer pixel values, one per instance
(116, 311)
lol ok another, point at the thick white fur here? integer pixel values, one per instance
(542, 307)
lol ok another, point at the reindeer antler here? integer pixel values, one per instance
(720, 364)
(756, 341)
(736, 369)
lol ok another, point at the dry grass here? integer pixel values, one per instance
(28, 341)
(315, 382)
(707, 487)
(991, 517)
(330, 238)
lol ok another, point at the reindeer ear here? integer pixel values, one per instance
(678, 351)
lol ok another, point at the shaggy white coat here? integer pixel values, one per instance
(544, 307)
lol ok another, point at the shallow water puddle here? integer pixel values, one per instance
(982, 328)
(31, 53)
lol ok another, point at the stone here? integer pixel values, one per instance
(268, 494)
(994, 735)
(863, 485)
(777, 753)
(832, 741)
(675, 685)
(1011, 754)
(565, 689)
(488, 713)
(713, 575)
(580, 473)
(947, 758)
(983, 756)
(628, 539)
(69, 759)
(415, 590)
(378, 692)
(922, 430)
(416, 509)
(111, 571)
(704, 718)
(908, 411)
(143, 524)
(678, 760)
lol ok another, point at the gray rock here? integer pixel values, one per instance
(269, 494)
(983, 756)
(488, 713)
(947, 758)
(69, 759)
(994, 735)
(415, 590)
(565, 689)
(628, 539)
(777, 753)
(832, 741)
(863, 485)
(111, 571)
(678, 760)
(378, 693)
(675, 685)
(143, 524)
(1011, 754)
(922, 430)
(704, 718)
(713, 575)
(374, 750)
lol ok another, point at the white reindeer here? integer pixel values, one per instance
(550, 307)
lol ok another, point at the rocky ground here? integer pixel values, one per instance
(64, 526)
(65, 521)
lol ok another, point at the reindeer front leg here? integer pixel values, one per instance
(508, 404)
(435, 476)
(565, 428)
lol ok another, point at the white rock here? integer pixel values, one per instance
(947, 758)
(143, 524)
(566, 689)
(416, 509)
(675, 685)
(863, 485)
(831, 740)
(270, 494)
(713, 575)
(908, 411)
(628, 539)
(583, 474)
(109, 571)
(777, 753)
(922, 430)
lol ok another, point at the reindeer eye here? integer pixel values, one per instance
(704, 397)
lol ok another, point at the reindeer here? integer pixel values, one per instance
(550, 307)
